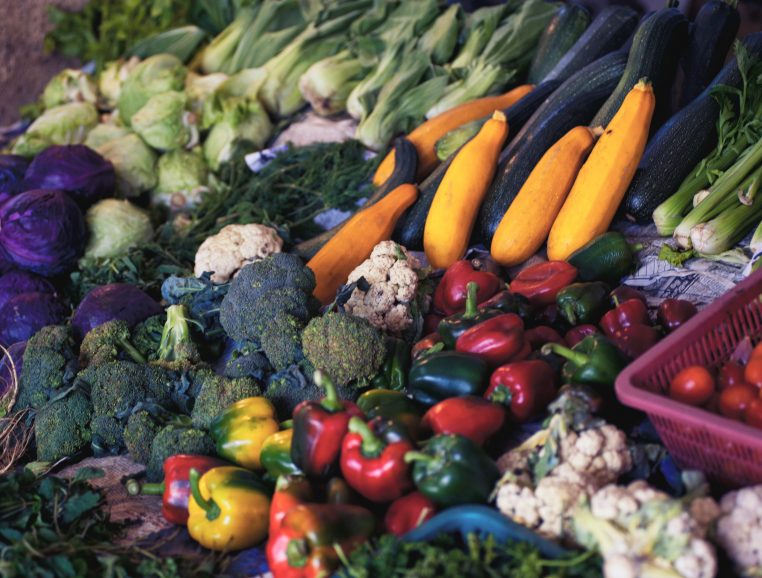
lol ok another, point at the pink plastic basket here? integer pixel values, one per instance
(729, 451)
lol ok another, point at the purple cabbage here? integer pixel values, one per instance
(76, 169)
(42, 231)
(15, 354)
(24, 315)
(17, 282)
(114, 301)
(12, 170)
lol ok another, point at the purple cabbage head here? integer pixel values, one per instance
(17, 282)
(24, 315)
(12, 170)
(114, 301)
(76, 169)
(16, 356)
(42, 231)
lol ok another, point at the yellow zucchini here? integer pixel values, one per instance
(526, 224)
(604, 178)
(460, 194)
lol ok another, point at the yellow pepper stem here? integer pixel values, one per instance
(209, 506)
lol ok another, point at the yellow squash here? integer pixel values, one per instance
(526, 224)
(605, 176)
(355, 241)
(460, 194)
(426, 135)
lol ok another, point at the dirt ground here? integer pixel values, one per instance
(24, 66)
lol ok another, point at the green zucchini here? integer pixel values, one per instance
(608, 32)
(563, 30)
(574, 103)
(607, 258)
(405, 166)
(655, 54)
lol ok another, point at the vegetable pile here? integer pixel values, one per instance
(358, 364)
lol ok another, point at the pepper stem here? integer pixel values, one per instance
(571, 317)
(371, 445)
(209, 506)
(471, 300)
(574, 356)
(414, 456)
(501, 394)
(331, 401)
(296, 553)
(135, 488)
(288, 424)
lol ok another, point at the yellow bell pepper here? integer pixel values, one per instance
(241, 430)
(229, 508)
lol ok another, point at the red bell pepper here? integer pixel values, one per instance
(175, 489)
(408, 512)
(497, 340)
(450, 294)
(539, 336)
(541, 283)
(425, 344)
(627, 313)
(525, 387)
(473, 417)
(624, 293)
(673, 313)
(578, 333)
(290, 492)
(319, 428)
(635, 340)
(375, 467)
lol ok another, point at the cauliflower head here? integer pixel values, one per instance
(392, 279)
(739, 529)
(225, 253)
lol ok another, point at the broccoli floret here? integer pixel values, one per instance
(61, 427)
(282, 341)
(146, 336)
(116, 387)
(139, 434)
(107, 342)
(50, 364)
(287, 389)
(216, 393)
(175, 439)
(177, 346)
(107, 436)
(347, 348)
(245, 363)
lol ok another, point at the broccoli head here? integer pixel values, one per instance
(139, 434)
(50, 364)
(107, 342)
(106, 435)
(116, 387)
(287, 389)
(216, 392)
(201, 296)
(146, 336)
(177, 346)
(347, 348)
(243, 362)
(282, 341)
(176, 439)
(62, 427)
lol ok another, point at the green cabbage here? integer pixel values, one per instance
(111, 79)
(115, 226)
(103, 133)
(154, 75)
(69, 85)
(163, 122)
(61, 125)
(198, 88)
(134, 163)
(246, 122)
(183, 176)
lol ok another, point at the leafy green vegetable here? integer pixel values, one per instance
(674, 256)
(448, 557)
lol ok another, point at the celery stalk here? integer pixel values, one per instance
(724, 231)
(756, 239)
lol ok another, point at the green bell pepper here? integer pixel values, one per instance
(393, 405)
(393, 373)
(581, 303)
(593, 361)
(445, 374)
(452, 327)
(453, 470)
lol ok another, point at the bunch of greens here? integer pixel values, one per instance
(56, 528)
(288, 193)
(448, 557)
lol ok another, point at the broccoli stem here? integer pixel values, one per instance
(132, 351)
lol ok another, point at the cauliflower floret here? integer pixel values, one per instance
(699, 561)
(739, 529)
(393, 281)
(601, 453)
(519, 503)
(225, 253)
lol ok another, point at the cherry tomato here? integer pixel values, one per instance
(541, 283)
(735, 398)
(731, 373)
(753, 372)
(694, 385)
(753, 414)
(756, 352)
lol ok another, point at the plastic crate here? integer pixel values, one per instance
(728, 451)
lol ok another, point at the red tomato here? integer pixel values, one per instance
(753, 371)
(753, 414)
(541, 283)
(730, 374)
(735, 398)
(694, 385)
(757, 351)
